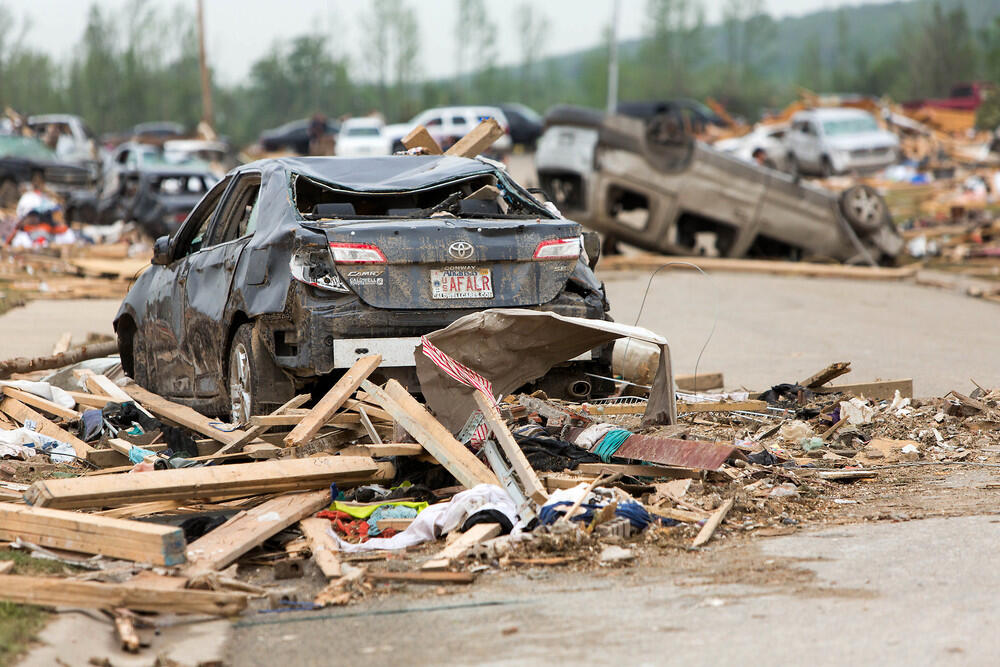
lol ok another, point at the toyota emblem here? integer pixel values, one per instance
(460, 250)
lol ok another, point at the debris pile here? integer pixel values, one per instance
(157, 508)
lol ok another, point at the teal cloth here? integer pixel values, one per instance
(610, 443)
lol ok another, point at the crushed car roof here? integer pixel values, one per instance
(380, 174)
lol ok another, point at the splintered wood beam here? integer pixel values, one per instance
(40, 403)
(879, 391)
(533, 486)
(62, 592)
(333, 400)
(190, 484)
(428, 431)
(222, 546)
(477, 140)
(137, 541)
(707, 530)
(476, 534)
(321, 545)
(728, 406)
(255, 432)
(419, 137)
(831, 372)
(181, 414)
(21, 413)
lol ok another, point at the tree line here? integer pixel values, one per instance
(141, 64)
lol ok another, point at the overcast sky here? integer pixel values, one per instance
(239, 31)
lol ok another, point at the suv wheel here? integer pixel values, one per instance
(793, 165)
(244, 378)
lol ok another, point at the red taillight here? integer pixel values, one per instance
(356, 253)
(180, 217)
(558, 249)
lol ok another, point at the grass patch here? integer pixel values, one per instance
(19, 623)
(9, 298)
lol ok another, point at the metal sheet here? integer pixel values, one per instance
(675, 452)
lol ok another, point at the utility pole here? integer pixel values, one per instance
(613, 60)
(206, 85)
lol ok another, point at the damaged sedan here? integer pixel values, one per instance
(649, 183)
(291, 269)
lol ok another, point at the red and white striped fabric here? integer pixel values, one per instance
(465, 375)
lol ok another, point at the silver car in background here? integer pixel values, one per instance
(838, 141)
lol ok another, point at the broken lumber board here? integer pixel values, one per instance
(706, 532)
(42, 404)
(125, 627)
(62, 345)
(250, 528)
(181, 414)
(721, 406)
(831, 372)
(62, 592)
(321, 545)
(372, 411)
(880, 391)
(342, 419)
(846, 475)
(193, 484)
(76, 355)
(394, 524)
(634, 470)
(699, 382)
(255, 432)
(480, 532)
(419, 137)
(21, 413)
(428, 431)
(728, 264)
(97, 401)
(533, 487)
(477, 140)
(423, 577)
(388, 449)
(333, 400)
(138, 541)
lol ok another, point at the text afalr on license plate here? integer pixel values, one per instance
(462, 283)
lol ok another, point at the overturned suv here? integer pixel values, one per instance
(289, 270)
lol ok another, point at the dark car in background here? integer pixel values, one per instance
(23, 157)
(289, 270)
(526, 124)
(293, 136)
(689, 114)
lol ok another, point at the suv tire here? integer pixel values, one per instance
(863, 208)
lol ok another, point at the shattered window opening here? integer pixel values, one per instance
(483, 196)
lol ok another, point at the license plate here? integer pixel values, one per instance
(461, 283)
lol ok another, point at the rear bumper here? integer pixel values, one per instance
(314, 337)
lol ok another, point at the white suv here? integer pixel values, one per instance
(839, 140)
(449, 124)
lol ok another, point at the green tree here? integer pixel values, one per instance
(673, 46)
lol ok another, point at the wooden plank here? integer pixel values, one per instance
(533, 487)
(102, 384)
(255, 432)
(476, 534)
(707, 530)
(728, 264)
(388, 449)
(699, 382)
(141, 509)
(633, 470)
(62, 345)
(125, 627)
(181, 415)
(323, 547)
(90, 400)
(723, 406)
(61, 592)
(879, 391)
(191, 484)
(42, 404)
(295, 420)
(423, 577)
(831, 372)
(369, 427)
(419, 137)
(477, 140)
(436, 439)
(22, 413)
(394, 524)
(249, 528)
(333, 400)
(372, 411)
(88, 533)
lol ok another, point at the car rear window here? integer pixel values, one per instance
(849, 126)
(362, 132)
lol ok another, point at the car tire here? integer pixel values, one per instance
(243, 377)
(864, 208)
(793, 165)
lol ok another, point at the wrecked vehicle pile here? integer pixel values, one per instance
(650, 184)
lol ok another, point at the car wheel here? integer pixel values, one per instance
(244, 378)
(864, 209)
(826, 168)
(793, 165)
